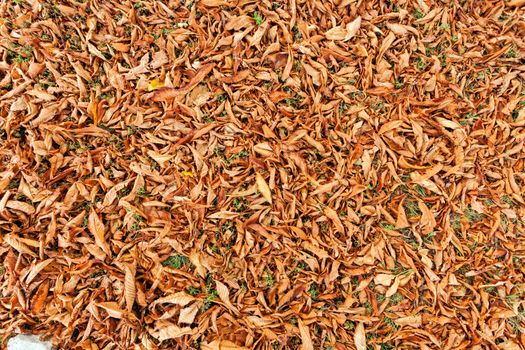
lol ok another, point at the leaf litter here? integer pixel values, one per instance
(270, 175)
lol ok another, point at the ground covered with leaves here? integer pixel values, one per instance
(300, 174)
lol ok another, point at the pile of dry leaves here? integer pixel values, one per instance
(238, 174)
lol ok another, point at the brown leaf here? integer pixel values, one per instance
(167, 93)
(263, 187)
(97, 229)
(112, 309)
(224, 295)
(129, 288)
(37, 303)
(305, 336)
(18, 245)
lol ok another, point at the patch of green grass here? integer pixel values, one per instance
(398, 84)
(176, 261)
(13, 184)
(473, 216)
(443, 60)
(455, 222)
(139, 218)
(412, 209)
(504, 223)
(387, 226)
(418, 14)
(349, 325)
(18, 2)
(516, 323)
(238, 204)
(454, 39)
(420, 64)
(512, 52)
(506, 199)
(396, 298)
(98, 273)
(298, 65)
(293, 321)
(390, 322)
(368, 307)
(141, 192)
(123, 192)
(514, 297)
(428, 238)
(193, 291)
(258, 18)
(294, 101)
(420, 190)
(241, 154)
(297, 35)
(268, 278)
(488, 202)
(211, 296)
(490, 290)
(444, 27)
(468, 118)
(313, 291)
(132, 129)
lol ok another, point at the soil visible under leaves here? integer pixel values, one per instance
(301, 174)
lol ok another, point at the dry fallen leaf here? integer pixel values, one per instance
(245, 174)
(263, 188)
(97, 229)
(360, 337)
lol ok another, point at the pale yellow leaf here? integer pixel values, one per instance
(166, 330)
(35, 270)
(187, 315)
(179, 298)
(112, 309)
(221, 345)
(384, 279)
(397, 29)
(360, 336)
(336, 33)
(352, 28)
(412, 321)
(393, 288)
(22, 206)
(213, 3)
